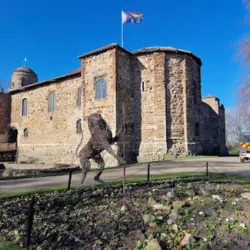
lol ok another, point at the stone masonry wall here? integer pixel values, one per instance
(149, 107)
(166, 111)
(205, 128)
(20, 79)
(193, 108)
(52, 136)
(124, 102)
(100, 66)
(223, 148)
(4, 112)
(211, 125)
(175, 103)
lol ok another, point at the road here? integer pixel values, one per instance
(227, 165)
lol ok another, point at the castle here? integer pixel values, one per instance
(158, 89)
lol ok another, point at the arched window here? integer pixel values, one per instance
(52, 102)
(100, 89)
(24, 107)
(78, 127)
(25, 132)
(197, 129)
(79, 96)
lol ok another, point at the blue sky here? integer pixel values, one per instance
(52, 34)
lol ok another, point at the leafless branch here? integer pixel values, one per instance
(243, 93)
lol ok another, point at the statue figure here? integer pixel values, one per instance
(101, 139)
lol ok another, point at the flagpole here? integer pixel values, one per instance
(121, 32)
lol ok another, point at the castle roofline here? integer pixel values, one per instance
(167, 50)
(103, 49)
(141, 51)
(207, 97)
(52, 80)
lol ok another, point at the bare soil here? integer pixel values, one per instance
(165, 215)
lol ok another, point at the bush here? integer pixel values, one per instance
(233, 150)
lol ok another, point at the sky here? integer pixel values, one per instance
(52, 34)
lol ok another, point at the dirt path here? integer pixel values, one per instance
(227, 165)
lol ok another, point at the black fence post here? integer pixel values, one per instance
(124, 179)
(29, 221)
(148, 173)
(207, 169)
(70, 176)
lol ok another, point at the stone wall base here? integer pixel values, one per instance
(65, 154)
(150, 152)
(58, 154)
(47, 154)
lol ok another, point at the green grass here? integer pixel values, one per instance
(94, 169)
(182, 175)
(36, 175)
(6, 245)
(233, 150)
(34, 191)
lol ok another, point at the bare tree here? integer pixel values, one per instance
(243, 92)
(235, 125)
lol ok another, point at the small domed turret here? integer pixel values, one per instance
(21, 77)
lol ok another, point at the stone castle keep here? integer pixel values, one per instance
(157, 89)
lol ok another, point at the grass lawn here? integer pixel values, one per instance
(182, 175)
(94, 169)
(6, 245)
(64, 187)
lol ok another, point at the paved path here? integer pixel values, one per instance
(227, 165)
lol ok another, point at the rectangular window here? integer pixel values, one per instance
(79, 96)
(101, 89)
(142, 86)
(52, 101)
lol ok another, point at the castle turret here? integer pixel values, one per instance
(21, 77)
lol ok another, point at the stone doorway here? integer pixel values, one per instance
(13, 133)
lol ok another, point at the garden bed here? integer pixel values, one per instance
(167, 215)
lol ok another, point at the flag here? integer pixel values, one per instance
(131, 17)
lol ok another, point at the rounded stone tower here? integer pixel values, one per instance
(21, 77)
